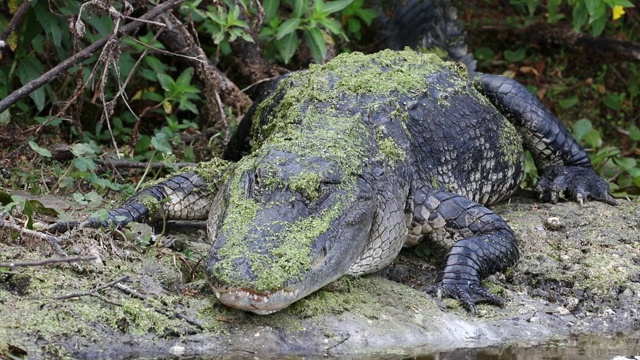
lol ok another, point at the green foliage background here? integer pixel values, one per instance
(161, 116)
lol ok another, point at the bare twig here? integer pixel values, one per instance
(90, 292)
(141, 165)
(16, 19)
(163, 311)
(50, 75)
(47, 261)
(342, 341)
(178, 39)
(52, 240)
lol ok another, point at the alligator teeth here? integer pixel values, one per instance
(218, 294)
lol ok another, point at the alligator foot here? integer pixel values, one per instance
(468, 295)
(576, 182)
(91, 222)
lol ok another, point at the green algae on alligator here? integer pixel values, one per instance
(358, 157)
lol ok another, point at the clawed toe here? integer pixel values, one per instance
(578, 183)
(468, 295)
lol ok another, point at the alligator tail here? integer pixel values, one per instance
(424, 23)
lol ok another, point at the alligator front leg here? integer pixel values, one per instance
(487, 246)
(564, 165)
(182, 197)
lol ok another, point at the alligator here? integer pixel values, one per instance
(355, 159)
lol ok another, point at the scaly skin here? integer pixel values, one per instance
(356, 158)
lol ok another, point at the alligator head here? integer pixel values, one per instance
(284, 226)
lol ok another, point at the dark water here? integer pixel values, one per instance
(583, 347)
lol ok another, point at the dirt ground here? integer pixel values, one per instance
(579, 274)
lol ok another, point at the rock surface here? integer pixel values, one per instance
(579, 274)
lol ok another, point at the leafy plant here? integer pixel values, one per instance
(589, 15)
(609, 161)
(355, 15)
(225, 26)
(315, 23)
(26, 207)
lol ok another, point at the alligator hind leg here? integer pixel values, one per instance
(488, 244)
(564, 165)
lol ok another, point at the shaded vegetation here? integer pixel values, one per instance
(136, 99)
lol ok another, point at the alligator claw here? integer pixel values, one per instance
(467, 295)
(64, 226)
(576, 182)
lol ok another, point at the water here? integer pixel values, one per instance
(583, 347)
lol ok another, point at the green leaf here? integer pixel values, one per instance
(581, 128)
(28, 69)
(316, 44)
(334, 27)
(318, 8)
(625, 163)
(82, 150)
(334, 6)
(5, 198)
(592, 5)
(50, 23)
(580, 16)
(287, 46)
(5, 118)
(166, 82)
(593, 139)
(484, 53)
(367, 15)
(298, 8)
(79, 198)
(634, 133)
(160, 143)
(233, 14)
(84, 164)
(39, 208)
(287, 27)
(598, 24)
(613, 101)
(569, 102)
(93, 198)
(623, 3)
(270, 9)
(40, 150)
(353, 25)
(516, 55)
(185, 78)
(155, 64)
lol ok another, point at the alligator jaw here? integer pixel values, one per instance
(259, 303)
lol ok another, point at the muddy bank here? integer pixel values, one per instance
(579, 273)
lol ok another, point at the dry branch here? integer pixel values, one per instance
(165, 311)
(142, 165)
(178, 39)
(82, 55)
(47, 261)
(76, 295)
(16, 19)
(52, 240)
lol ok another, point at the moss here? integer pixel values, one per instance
(388, 147)
(214, 172)
(510, 144)
(152, 204)
(306, 182)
